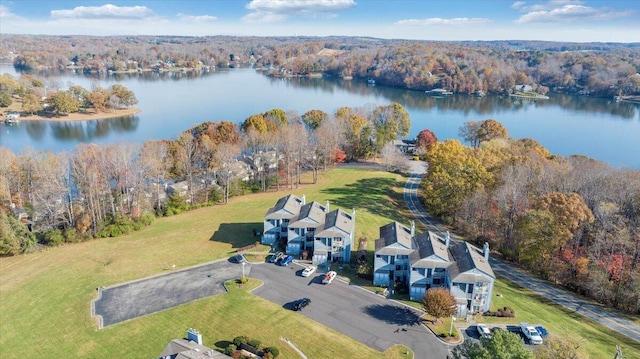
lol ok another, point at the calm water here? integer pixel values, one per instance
(170, 103)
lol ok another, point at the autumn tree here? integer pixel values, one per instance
(454, 173)
(122, 96)
(99, 98)
(425, 139)
(31, 103)
(567, 347)
(439, 302)
(314, 118)
(469, 132)
(390, 122)
(15, 237)
(63, 103)
(490, 129)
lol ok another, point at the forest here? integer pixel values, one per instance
(597, 69)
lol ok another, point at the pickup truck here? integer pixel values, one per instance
(531, 333)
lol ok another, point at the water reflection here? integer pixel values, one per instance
(86, 131)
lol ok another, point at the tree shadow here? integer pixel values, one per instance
(237, 234)
(369, 194)
(393, 314)
(223, 344)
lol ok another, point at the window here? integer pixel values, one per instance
(470, 288)
(429, 272)
(311, 229)
(436, 280)
(398, 267)
(393, 260)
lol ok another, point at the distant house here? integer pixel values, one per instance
(430, 261)
(333, 240)
(190, 348)
(523, 88)
(303, 228)
(276, 220)
(181, 188)
(405, 146)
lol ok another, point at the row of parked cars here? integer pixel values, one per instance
(533, 334)
(281, 259)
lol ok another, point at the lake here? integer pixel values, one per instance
(172, 102)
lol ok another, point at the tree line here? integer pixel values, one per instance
(461, 67)
(36, 97)
(573, 220)
(102, 191)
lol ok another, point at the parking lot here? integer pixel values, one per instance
(471, 333)
(351, 310)
(134, 299)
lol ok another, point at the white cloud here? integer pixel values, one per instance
(457, 21)
(279, 10)
(196, 18)
(5, 13)
(565, 11)
(107, 11)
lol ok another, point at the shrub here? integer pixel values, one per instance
(239, 340)
(244, 280)
(254, 343)
(230, 349)
(53, 237)
(273, 350)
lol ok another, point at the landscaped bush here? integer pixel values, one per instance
(273, 350)
(506, 312)
(230, 349)
(239, 340)
(254, 343)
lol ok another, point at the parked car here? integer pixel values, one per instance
(308, 271)
(276, 257)
(239, 258)
(483, 330)
(329, 277)
(285, 261)
(543, 332)
(301, 303)
(531, 333)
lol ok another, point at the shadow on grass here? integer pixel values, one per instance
(368, 194)
(223, 344)
(393, 314)
(237, 234)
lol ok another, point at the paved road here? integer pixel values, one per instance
(134, 299)
(360, 314)
(559, 296)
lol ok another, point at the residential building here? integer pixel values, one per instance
(276, 221)
(333, 239)
(303, 227)
(434, 262)
(392, 251)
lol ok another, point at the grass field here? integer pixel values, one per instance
(45, 296)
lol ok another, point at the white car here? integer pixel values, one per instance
(329, 277)
(308, 271)
(483, 330)
(531, 333)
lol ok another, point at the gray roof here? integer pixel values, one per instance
(337, 223)
(186, 349)
(394, 237)
(286, 207)
(430, 245)
(467, 258)
(311, 215)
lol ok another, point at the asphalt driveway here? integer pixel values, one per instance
(360, 314)
(134, 299)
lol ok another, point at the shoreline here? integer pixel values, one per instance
(77, 116)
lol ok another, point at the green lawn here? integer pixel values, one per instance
(45, 296)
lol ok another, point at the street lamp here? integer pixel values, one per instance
(453, 319)
(243, 263)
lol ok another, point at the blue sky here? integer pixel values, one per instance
(556, 20)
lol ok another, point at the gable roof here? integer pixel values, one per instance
(311, 215)
(432, 246)
(394, 237)
(286, 207)
(337, 223)
(468, 258)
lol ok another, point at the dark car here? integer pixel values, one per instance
(543, 332)
(239, 258)
(276, 257)
(301, 303)
(285, 261)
